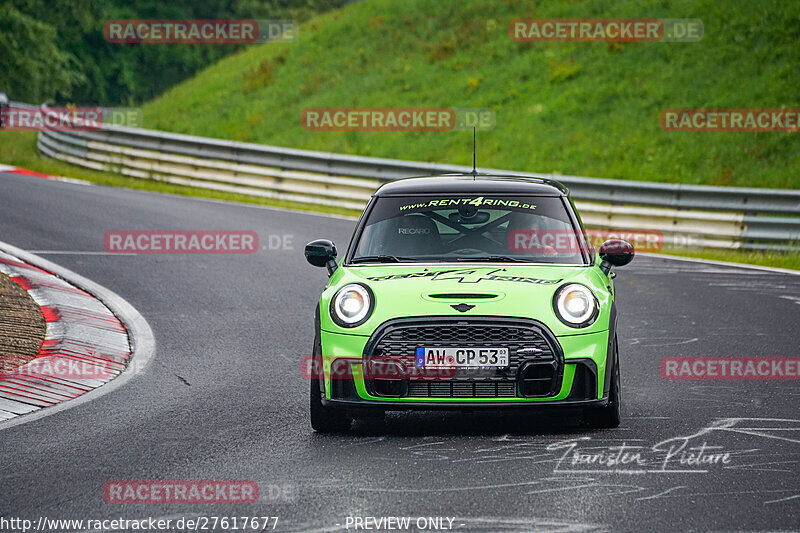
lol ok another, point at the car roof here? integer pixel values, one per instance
(469, 183)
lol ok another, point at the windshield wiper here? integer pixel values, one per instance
(382, 259)
(493, 258)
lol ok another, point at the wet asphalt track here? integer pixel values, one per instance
(223, 397)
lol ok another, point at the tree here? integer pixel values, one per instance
(33, 67)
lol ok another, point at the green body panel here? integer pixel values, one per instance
(524, 291)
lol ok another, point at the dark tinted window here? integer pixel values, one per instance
(462, 228)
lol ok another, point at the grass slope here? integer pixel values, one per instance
(587, 109)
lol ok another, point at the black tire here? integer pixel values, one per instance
(609, 416)
(324, 419)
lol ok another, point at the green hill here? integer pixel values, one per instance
(589, 109)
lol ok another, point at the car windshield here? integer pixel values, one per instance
(501, 228)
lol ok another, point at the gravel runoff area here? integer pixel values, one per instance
(22, 326)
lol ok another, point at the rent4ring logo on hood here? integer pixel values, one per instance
(463, 202)
(467, 275)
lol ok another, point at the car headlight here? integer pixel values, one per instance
(352, 305)
(576, 305)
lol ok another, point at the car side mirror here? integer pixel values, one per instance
(615, 252)
(321, 253)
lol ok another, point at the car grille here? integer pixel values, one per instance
(402, 337)
(458, 389)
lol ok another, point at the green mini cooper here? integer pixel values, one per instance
(466, 292)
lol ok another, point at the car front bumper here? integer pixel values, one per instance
(408, 405)
(581, 379)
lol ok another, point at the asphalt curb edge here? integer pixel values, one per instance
(140, 334)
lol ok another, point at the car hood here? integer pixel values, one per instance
(465, 290)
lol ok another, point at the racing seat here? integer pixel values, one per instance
(413, 235)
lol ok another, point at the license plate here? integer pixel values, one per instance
(455, 357)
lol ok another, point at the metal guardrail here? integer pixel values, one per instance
(727, 217)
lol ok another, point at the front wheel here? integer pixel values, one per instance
(608, 417)
(324, 419)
